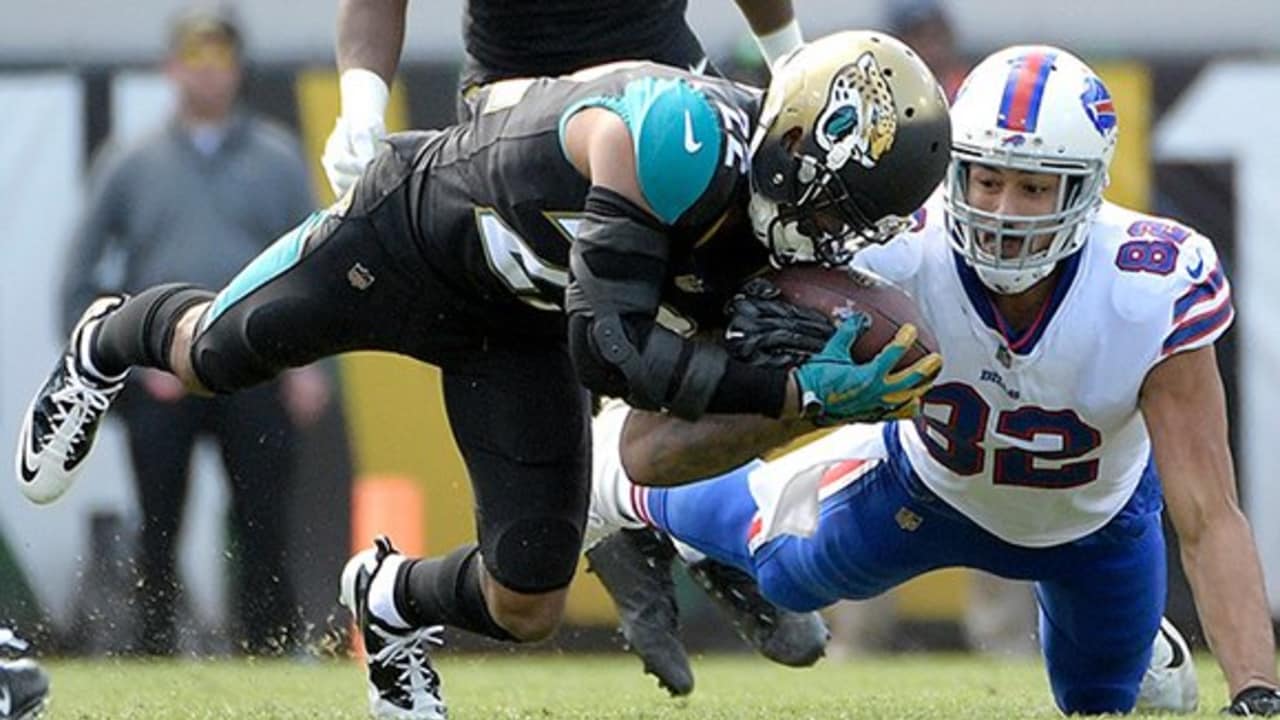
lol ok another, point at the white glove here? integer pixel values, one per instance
(360, 127)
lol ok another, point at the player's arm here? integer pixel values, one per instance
(370, 38)
(774, 25)
(618, 265)
(1183, 404)
(658, 449)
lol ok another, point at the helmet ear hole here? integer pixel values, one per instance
(791, 139)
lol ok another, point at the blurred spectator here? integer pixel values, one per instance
(926, 27)
(192, 202)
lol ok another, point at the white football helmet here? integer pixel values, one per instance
(1038, 109)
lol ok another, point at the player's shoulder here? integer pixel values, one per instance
(1163, 273)
(685, 135)
(1150, 254)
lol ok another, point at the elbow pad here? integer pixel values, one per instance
(618, 267)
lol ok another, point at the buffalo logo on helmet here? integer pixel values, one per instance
(860, 118)
(1098, 106)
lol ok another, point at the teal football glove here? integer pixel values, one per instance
(834, 389)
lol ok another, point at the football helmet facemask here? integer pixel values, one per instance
(853, 136)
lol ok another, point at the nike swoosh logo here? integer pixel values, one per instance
(1194, 272)
(1178, 658)
(691, 144)
(28, 471)
(699, 67)
(6, 702)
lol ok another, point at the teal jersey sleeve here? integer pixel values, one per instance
(676, 135)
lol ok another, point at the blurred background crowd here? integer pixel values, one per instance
(220, 526)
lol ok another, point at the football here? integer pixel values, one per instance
(837, 292)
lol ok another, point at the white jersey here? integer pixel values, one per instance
(1037, 436)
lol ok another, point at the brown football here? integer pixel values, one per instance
(837, 291)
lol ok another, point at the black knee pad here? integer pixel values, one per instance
(223, 356)
(533, 555)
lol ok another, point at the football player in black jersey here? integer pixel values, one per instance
(523, 39)
(527, 254)
(508, 39)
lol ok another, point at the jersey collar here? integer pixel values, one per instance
(1024, 341)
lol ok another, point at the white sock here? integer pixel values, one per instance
(382, 600)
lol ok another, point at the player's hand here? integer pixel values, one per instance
(349, 149)
(768, 331)
(1255, 701)
(360, 127)
(834, 389)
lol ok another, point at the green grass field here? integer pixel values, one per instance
(502, 687)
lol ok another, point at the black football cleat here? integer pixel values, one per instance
(403, 684)
(62, 420)
(24, 689)
(634, 565)
(785, 637)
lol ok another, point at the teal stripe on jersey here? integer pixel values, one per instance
(283, 254)
(676, 135)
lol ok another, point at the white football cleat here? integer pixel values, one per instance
(403, 684)
(1169, 685)
(61, 421)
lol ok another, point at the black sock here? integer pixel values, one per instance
(446, 591)
(140, 331)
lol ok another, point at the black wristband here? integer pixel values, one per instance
(746, 388)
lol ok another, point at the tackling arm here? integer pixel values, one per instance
(661, 450)
(618, 266)
(1183, 404)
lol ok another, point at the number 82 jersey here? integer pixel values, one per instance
(1037, 435)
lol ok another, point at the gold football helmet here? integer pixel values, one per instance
(853, 137)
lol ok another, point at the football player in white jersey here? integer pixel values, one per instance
(1078, 345)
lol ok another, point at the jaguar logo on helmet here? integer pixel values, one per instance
(860, 118)
(853, 135)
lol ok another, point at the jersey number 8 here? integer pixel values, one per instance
(957, 441)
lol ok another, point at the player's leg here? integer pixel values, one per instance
(521, 421)
(161, 436)
(1100, 611)
(337, 282)
(872, 529)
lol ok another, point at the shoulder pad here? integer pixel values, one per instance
(1171, 274)
(677, 136)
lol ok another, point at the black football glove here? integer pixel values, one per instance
(767, 331)
(1255, 701)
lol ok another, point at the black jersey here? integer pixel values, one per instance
(499, 201)
(524, 38)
